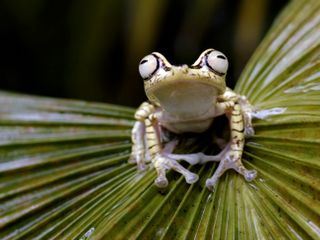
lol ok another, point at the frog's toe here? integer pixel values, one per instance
(249, 131)
(161, 182)
(191, 178)
(142, 167)
(250, 175)
(163, 163)
(132, 159)
(139, 160)
(210, 184)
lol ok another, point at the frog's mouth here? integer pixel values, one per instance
(184, 98)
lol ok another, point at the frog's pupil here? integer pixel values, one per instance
(221, 56)
(143, 61)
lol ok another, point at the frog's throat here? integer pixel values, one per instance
(178, 80)
(187, 99)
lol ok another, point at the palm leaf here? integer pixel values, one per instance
(64, 171)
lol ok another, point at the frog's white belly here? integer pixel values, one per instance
(188, 126)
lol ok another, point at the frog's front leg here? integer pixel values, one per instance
(247, 110)
(230, 97)
(231, 158)
(146, 138)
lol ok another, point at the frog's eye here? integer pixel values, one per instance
(148, 66)
(217, 62)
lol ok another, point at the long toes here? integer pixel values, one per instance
(142, 167)
(249, 131)
(210, 184)
(249, 175)
(192, 178)
(161, 182)
(132, 159)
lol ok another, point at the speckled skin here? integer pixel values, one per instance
(187, 99)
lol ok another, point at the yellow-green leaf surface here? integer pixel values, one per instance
(64, 171)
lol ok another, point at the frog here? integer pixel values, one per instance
(187, 99)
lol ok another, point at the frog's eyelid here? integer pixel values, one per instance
(195, 66)
(203, 61)
(158, 65)
(199, 62)
(163, 62)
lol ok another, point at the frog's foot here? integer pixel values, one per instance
(162, 163)
(229, 161)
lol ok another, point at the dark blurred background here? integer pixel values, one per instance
(90, 49)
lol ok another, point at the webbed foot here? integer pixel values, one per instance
(230, 161)
(163, 163)
(200, 158)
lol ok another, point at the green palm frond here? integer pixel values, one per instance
(64, 170)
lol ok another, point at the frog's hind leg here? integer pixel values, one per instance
(232, 154)
(138, 153)
(199, 158)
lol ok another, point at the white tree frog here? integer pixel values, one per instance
(187, 99)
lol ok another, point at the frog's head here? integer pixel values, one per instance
(184, 89)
